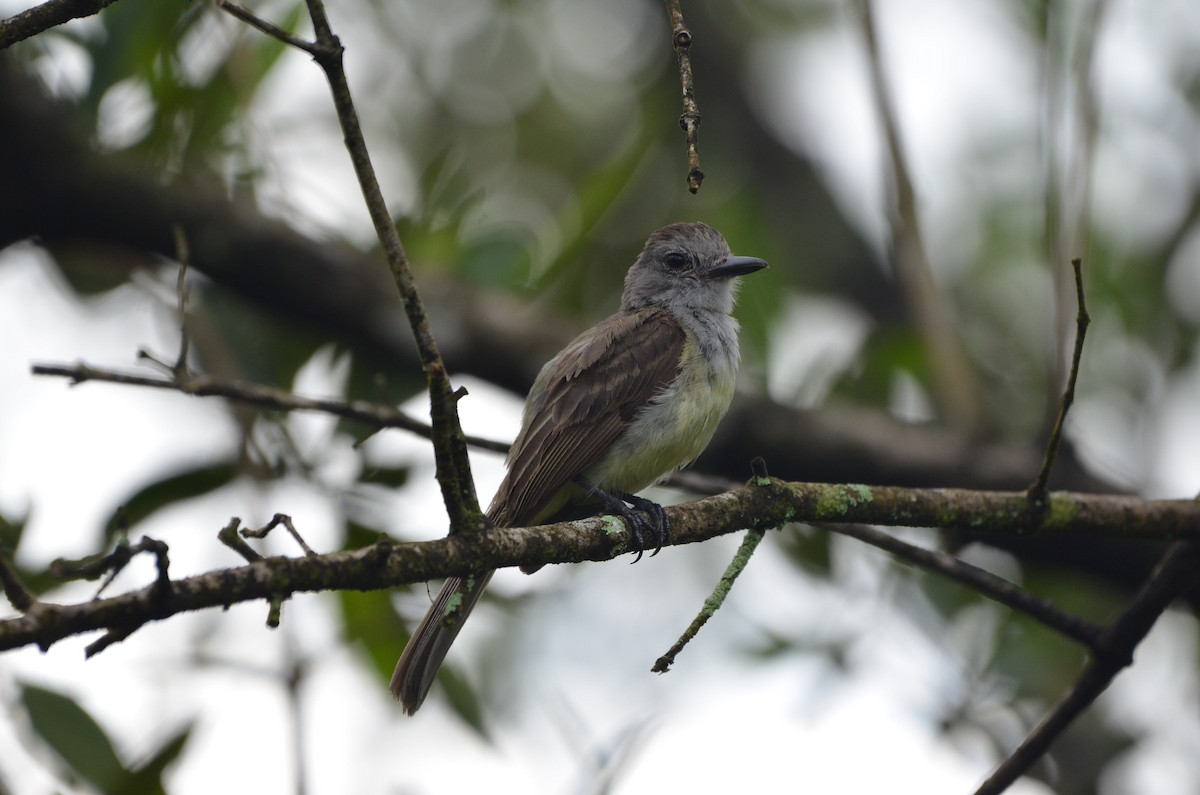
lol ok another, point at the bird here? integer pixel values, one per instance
(626, 403)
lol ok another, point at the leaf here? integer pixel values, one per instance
(147, 780)
(75, 737)
(11, 531)
(169, 491)
(463, 699)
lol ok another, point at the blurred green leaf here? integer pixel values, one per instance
(11, 531)
(463, 699)
(75, 737)
(148, 778)
(392, 477)
(169, 491)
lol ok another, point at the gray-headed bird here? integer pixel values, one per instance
(626, 403)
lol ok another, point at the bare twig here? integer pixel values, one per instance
(1070, 148)
(276, 520)
(42, 17)
(1178, 571)
(183, 255)
(263, 26)
(713, 603)
(954, 381)
(681, 39)
(229, 536)
(109, 565)
(1037, 489)
(371, 414)
(736, 566)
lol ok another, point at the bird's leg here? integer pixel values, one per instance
(646, 519)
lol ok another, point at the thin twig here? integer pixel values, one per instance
(984, 582)
(1178, 571)
(276, 520)
(42, 17)
(681, 40)
(1038, 489)
(229, 536)
(371, 414)
(262, 25)
(184, 257)
(1070, 156)
(452, 465)
(713, 603)
(110, 564)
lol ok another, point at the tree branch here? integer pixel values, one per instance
(1178, 571)
(765, 505)
(453, 466)
(954, 382)
(375, 415)
(42, 17)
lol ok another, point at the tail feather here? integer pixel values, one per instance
(431, 640)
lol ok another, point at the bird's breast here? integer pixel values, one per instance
(675, 426)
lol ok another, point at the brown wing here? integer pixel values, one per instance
(592, 390)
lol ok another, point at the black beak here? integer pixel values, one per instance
(735, 266)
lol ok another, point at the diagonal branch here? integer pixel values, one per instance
(954, 381)
(453, 468)
(40, 18)
(1178, 571)
(1037, 490)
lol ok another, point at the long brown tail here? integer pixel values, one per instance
(426, 649)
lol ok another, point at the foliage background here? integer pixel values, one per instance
(528, 148)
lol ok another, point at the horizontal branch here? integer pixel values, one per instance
(766, 504)
(373, 414)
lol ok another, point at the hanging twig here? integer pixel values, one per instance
(681, 39)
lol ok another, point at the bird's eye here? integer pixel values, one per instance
(675, 260)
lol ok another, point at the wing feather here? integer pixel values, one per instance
(583, 400)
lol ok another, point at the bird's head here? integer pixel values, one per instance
(686, 266)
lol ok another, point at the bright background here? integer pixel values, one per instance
(836, 673)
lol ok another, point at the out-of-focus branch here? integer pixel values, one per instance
(955, 385)
(47, 15)
(1178, 572)
(1070, 159)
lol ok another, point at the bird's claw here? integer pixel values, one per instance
(647, 521)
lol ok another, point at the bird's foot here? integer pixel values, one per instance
(647, 520)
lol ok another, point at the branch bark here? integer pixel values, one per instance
(768, 503)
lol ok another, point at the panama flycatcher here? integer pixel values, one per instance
(626, 403)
